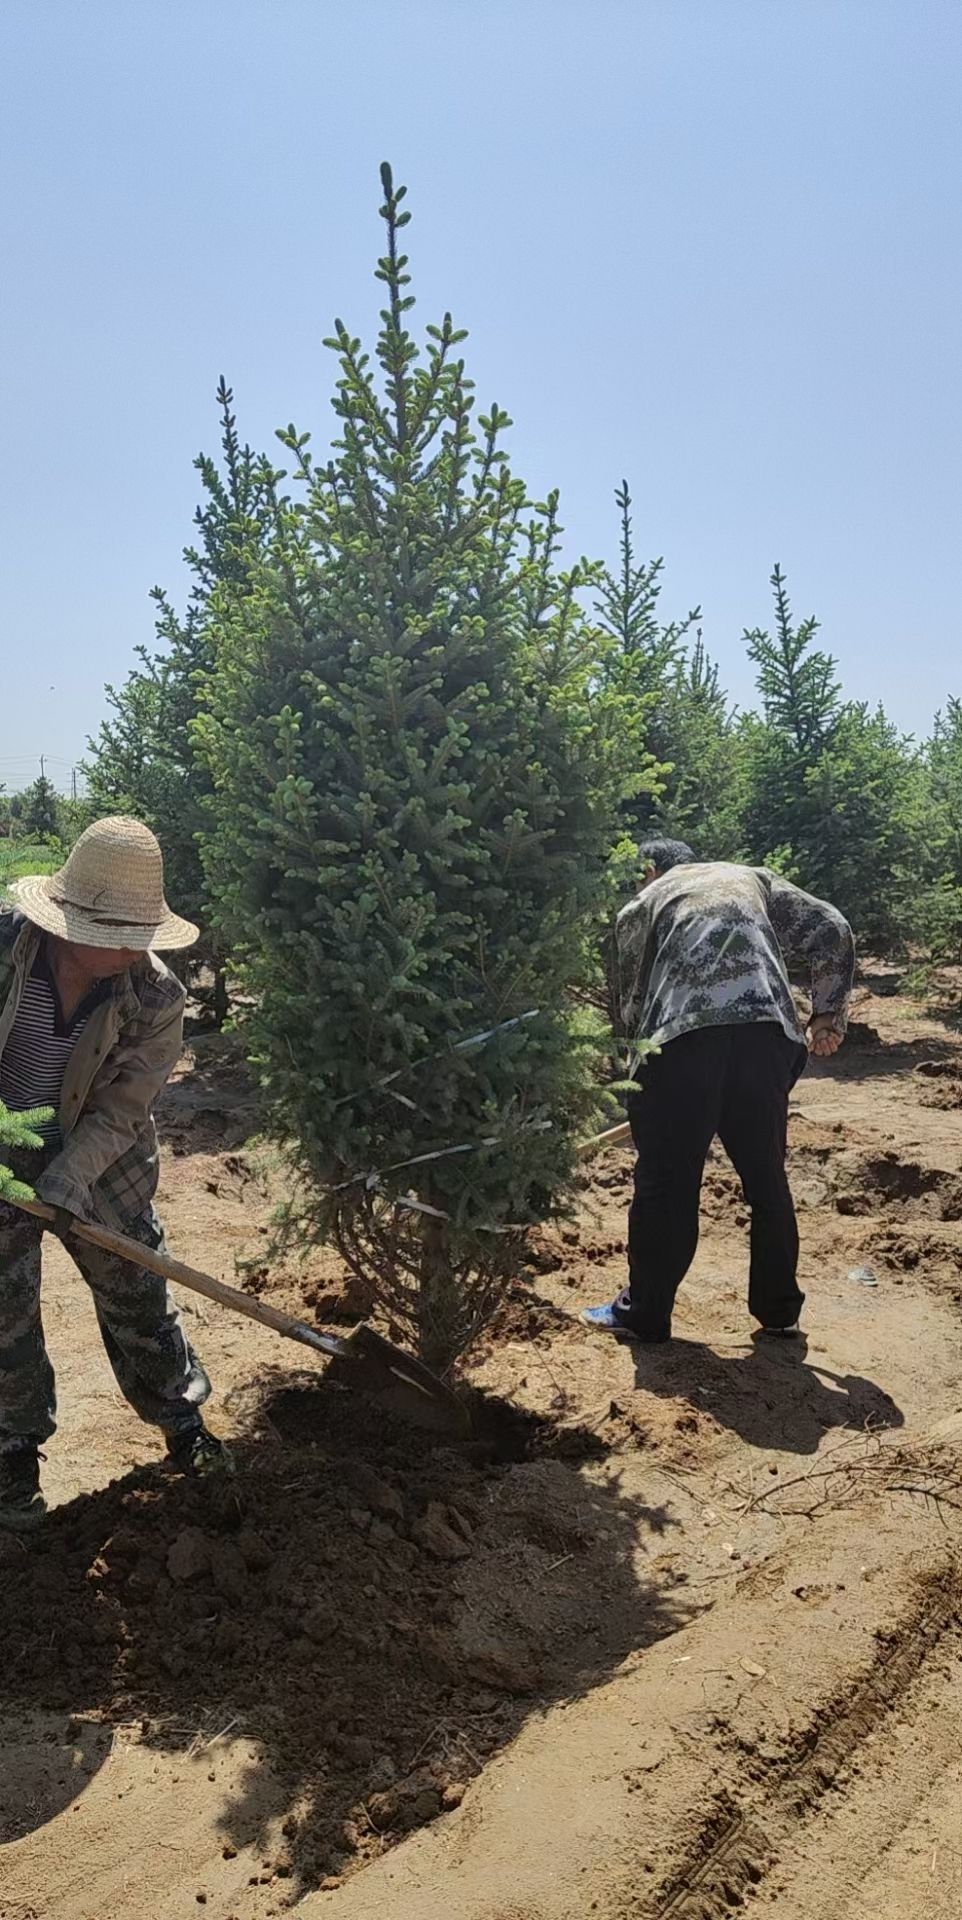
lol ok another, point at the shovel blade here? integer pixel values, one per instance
(400, 1383)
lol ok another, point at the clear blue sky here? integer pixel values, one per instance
(713, 245)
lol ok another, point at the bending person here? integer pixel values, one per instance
(700, 974)
(91, 1024)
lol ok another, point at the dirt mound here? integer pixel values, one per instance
(869, 1183)
(945, 1096)
(941, 1086)
(861, 1035)
(927, 1256)
(522, 1315)
(373, 1613)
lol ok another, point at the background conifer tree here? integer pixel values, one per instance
(39, 810)
(143, 759)
(830, 786)
(688, 727)
(936, 898)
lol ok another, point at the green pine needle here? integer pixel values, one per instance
(18, 1131)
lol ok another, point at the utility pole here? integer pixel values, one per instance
(73, 783)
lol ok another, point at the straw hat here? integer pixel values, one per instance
(109, 894)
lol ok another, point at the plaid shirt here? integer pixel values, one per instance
(107, 1168)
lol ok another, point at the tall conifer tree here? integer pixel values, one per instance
(416, 784)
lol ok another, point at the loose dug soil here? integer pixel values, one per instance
(374, 1615)
(941, 1086)
(642, 1652)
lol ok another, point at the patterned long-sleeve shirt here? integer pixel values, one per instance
(706, 946)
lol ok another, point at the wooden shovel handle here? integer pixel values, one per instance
(190, 1277)
(614, 1137)
(231, 1297)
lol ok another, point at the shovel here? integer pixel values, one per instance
(383, 1372)
(614, 1137)
(364, 1359)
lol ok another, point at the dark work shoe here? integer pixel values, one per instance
(22, 1505)
(781, 1333)
(199, 1452)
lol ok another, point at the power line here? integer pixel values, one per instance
(20, 771)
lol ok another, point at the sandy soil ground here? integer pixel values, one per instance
(688, 1640)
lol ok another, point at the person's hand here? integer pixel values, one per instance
(63, 1223)
(824, 1038)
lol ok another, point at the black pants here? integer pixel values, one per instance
(733, 1082)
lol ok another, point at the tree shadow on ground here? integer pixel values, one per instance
(47, 1762)
(884, 984)
(376, 1613)
(770, 1396)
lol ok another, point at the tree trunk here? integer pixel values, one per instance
(221, 998)
(439, 1303)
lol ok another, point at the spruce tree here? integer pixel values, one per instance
(689, 729)
(797, 682)
(830, 785)
(702, 798)
(936, 921)
(628, 607)
(416, 783)
(143, 759)
(40, 810)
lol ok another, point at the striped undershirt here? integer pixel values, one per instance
(41, 1041)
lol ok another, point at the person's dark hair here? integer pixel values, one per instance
(664, 854)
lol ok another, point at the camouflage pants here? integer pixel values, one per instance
(153, 1362)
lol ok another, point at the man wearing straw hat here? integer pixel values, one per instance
(91, 1025)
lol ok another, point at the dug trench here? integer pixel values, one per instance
(750, 1834)
(634, 1653)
